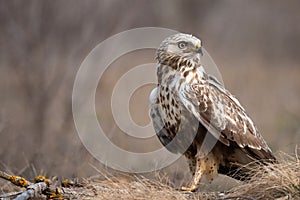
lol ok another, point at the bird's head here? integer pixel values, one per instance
(179, 48)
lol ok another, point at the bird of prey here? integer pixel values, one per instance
(193, 114)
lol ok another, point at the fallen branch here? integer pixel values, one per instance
(40, 188)
(16, 180)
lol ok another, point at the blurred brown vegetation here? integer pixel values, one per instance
(256, 45)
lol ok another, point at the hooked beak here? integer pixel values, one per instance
(200, 50)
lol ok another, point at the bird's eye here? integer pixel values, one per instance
(182, 45)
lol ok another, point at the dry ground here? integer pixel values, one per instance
(280, 181)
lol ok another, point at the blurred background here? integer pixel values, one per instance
(255, 44)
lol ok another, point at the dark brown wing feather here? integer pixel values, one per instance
(225, 117)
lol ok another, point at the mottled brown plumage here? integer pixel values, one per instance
(195, 115)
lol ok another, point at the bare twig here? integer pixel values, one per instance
(34, 190)
(10, 195)
(16, 180)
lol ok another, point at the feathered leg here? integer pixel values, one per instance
(199, 166)
(191, 162)
(194, 164)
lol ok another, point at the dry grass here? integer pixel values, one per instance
(138, 188)
(135, 187)
(280, 181)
